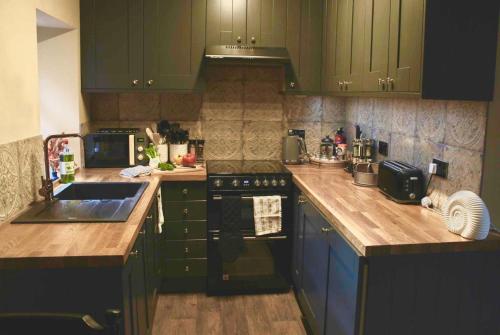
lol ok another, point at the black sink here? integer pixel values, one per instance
(87, 202)
(99, 191)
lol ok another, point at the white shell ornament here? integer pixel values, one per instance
(466, 214)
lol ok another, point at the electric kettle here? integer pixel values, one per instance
(294, 150)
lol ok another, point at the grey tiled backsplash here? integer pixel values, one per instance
(419, 130)
(243, 115)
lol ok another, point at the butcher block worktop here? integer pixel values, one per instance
(375, 225)
(82, 244)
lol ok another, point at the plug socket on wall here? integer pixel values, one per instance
(442, 168)
(383, 148)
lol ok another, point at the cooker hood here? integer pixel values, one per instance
(246, 52)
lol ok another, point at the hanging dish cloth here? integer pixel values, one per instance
(267, 214)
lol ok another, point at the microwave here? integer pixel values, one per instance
(115, 147)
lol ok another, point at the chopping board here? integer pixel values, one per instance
(180, 169)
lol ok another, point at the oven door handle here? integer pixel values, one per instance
(219, 197)
(263, 238)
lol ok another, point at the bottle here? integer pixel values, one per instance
(67, 166)
(339, 136)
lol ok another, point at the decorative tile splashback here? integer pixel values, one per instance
(20, 171)
(419, 130)
(242, 114)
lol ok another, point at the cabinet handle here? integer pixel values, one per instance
(253, 40)
(186, 268)
(150, 82)
(238, 39)
(186, 250)
(381, 84)
(142, 232)
(185, 191)
(186, 231)
(341, 85)
(326, 230)
(302, 199)
(185, 211)
(390, 83)
(292, 84)
(135, 82)
(149, 217)
(134, 253)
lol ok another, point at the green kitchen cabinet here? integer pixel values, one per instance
(183, 240)
(111, 44)
(304, 25)
(174, 43)
(344, 40)
(393, 48)
(252, 22)
(142, 44)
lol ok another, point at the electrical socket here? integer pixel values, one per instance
(441, 168)
(383, 148)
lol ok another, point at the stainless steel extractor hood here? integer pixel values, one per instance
(246, 52)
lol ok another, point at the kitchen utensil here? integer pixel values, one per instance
(294, 150)
(366, 174)
(149, 132)
(157, 139)
(465, 214)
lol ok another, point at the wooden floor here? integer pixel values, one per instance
(186, 314)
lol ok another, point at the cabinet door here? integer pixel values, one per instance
(137, 284)
(112, 35)
(344, 43)
(226, 22)
(315, 268)
(376, 51)
(151, 269)
(304, 21)
(298, 240)
(266, 23)
(343, 288)
(405, 45)
(174, 42)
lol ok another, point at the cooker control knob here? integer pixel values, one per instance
(218, 183)
(282, 182)
(274, 182)
(140, 157)
(257, 183)
(265, 183)
(140, 148)
(412, 196)
(235, 183)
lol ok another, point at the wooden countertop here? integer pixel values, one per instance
(82, 244)
(375, 225)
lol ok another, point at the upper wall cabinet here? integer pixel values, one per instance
(434, 49)
(343, 45)
(252, 22)
(174, 42)
(304, 26)
(111, 43)
(142, 44)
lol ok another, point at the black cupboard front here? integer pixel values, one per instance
(341, 292)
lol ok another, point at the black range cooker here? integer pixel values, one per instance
(238, 260)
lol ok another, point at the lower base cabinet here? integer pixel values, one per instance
(343, 293)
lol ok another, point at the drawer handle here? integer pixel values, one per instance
(186, 250)
(149, 217)
(142, 232)
(185, 191)
(186, 231)
(302, 199)
(186, 268)
(326, 230)
(185, 211)
(134, 253)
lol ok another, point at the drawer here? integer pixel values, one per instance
(180, 191)
(184, 249)
(184, 230)
(185, 210)
(181, 268)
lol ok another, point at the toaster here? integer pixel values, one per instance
(401, 182)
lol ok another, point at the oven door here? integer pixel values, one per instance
(109, 150)
(264, 262)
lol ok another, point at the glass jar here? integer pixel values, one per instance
(326, 148)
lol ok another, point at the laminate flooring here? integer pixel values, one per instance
(188, 314)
